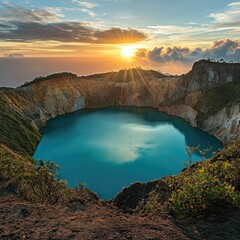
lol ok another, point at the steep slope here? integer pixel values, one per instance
(214, 92)
(16, 131)
(206, 75)
(181, 96)
(46, 99)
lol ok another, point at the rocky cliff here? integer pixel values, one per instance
(181, 96)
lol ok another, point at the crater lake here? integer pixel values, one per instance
(111, 148)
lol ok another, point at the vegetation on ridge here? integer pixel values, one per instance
(125, 75)
(210, 186)
(128, 75)
(16, 132)
(134, 74)
(35, 181)
(51, 76)
(207, 187)
(219, 98)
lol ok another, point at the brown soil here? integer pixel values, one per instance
(223, 226)
(20, 219)
(96, 219)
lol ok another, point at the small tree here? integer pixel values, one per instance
(190, 151)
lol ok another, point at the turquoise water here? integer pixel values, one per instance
(111, 148)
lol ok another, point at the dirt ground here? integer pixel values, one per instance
(100, 220)
(20, 219)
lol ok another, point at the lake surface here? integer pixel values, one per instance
(111, 148)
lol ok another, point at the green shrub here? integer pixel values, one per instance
(44, 185)
(210, 186)
(36, 182)
(203, 193)
(152, 203)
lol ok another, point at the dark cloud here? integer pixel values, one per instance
(19, 24)
(4, 26)
(14, 55)
(67, 32)
(117, 35)
(227, 49)
(170, 54)
(62, 31)
(10, 12)
(141, 52)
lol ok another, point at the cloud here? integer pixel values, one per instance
(226, 49)
(88, 11)
(78, 32)
(141, 53)
(86, 4)
(173, 29)
(117, 35)
(16, 13)
(18, 24)
(14, 55)
(224, 23)
(172, 54)
(230, 17)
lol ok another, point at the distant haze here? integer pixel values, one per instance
(87, 37)
(15, 71)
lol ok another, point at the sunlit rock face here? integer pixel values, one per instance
(206, 75)
(47, 99)
(175, 95)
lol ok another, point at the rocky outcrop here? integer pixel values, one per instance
(183, 111)
(48, 98)
(225, 125)
(130, 197)
(207, 74)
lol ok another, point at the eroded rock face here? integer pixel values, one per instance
(206, 75)
(174, 95)
(225, 125)
(48, 99)
(183, 111)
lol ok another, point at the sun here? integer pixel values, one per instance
(128, 51)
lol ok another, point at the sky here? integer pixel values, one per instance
(85, 37)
